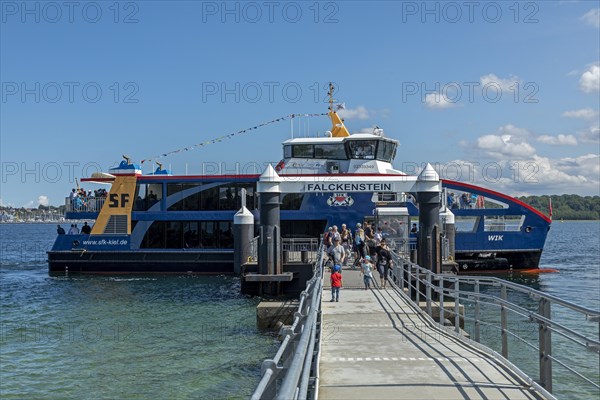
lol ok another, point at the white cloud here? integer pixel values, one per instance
(438, 100)
(359, 112)
(43, 200)
(504, 84)
(584, 113)
(508, 141)
(533, 175)
(590, 80)
(592, 135)
(592, 17)
(504, 146)
(560, 140)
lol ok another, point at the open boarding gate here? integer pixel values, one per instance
(426, 188)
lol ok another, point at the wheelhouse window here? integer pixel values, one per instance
(303, 151)
(330, 151)
(287, 151)
(363, 149)
(386, 151)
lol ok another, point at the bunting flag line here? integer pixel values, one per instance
(229, 136)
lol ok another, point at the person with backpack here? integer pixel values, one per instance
(384, 262)
(328, 238)
(359, 242)
(346, 236)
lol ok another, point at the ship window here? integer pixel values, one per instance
(330, 151)
(208, 232)
(458, 200)
(191, 235)
(174, 236)
(386, 151)
(503, 223)
(225, 235)
(363, 150)
(155, 236)
(250, 195)
(188, 234)
(292, 201)
(209, 199)
(466, 223)
(303, 151)
(287, 151)
(228, 197)
(147, 196)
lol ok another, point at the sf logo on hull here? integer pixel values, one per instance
(116, 201)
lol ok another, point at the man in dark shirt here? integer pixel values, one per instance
(60, 230)
(86, 229)
(384, 261)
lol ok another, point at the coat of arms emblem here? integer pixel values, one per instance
(340, 200)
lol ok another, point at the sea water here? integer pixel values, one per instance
(179, 337)
(121, 336)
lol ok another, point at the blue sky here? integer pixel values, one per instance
(84, 83)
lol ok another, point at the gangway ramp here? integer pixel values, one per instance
(376, 345)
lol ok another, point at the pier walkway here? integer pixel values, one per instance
(376, 345)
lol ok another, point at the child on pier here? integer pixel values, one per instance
(336, 283)
(367, 271)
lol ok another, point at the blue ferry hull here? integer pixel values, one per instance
(482, 247)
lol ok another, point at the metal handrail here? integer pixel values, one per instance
(287, 375)
(423, 284)
(84, 204)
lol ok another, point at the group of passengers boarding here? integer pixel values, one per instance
(365, 240)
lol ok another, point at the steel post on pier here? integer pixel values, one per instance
(243, 233)
(428, 197)
(269, 249)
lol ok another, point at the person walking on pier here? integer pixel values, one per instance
(384, 262)
(337, 252)
(346, 236)
(367, 272)
(359, 242)
(336, 283)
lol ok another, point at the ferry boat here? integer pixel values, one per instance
(165, 223)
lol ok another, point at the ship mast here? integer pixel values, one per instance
(338, 129)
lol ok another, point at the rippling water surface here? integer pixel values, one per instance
(185, 337)
(113, 337)
(573, 250)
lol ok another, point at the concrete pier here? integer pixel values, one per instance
(376, 346)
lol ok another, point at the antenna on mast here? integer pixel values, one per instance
(330, 94)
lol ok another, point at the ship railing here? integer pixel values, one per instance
(300, 249)
(512, 319)
(84, 204)
(293, 372)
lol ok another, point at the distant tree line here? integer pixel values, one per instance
(566, 206)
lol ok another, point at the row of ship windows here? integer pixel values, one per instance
(188, 234)
(224, 197)
(354, 149)
(212, 234)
